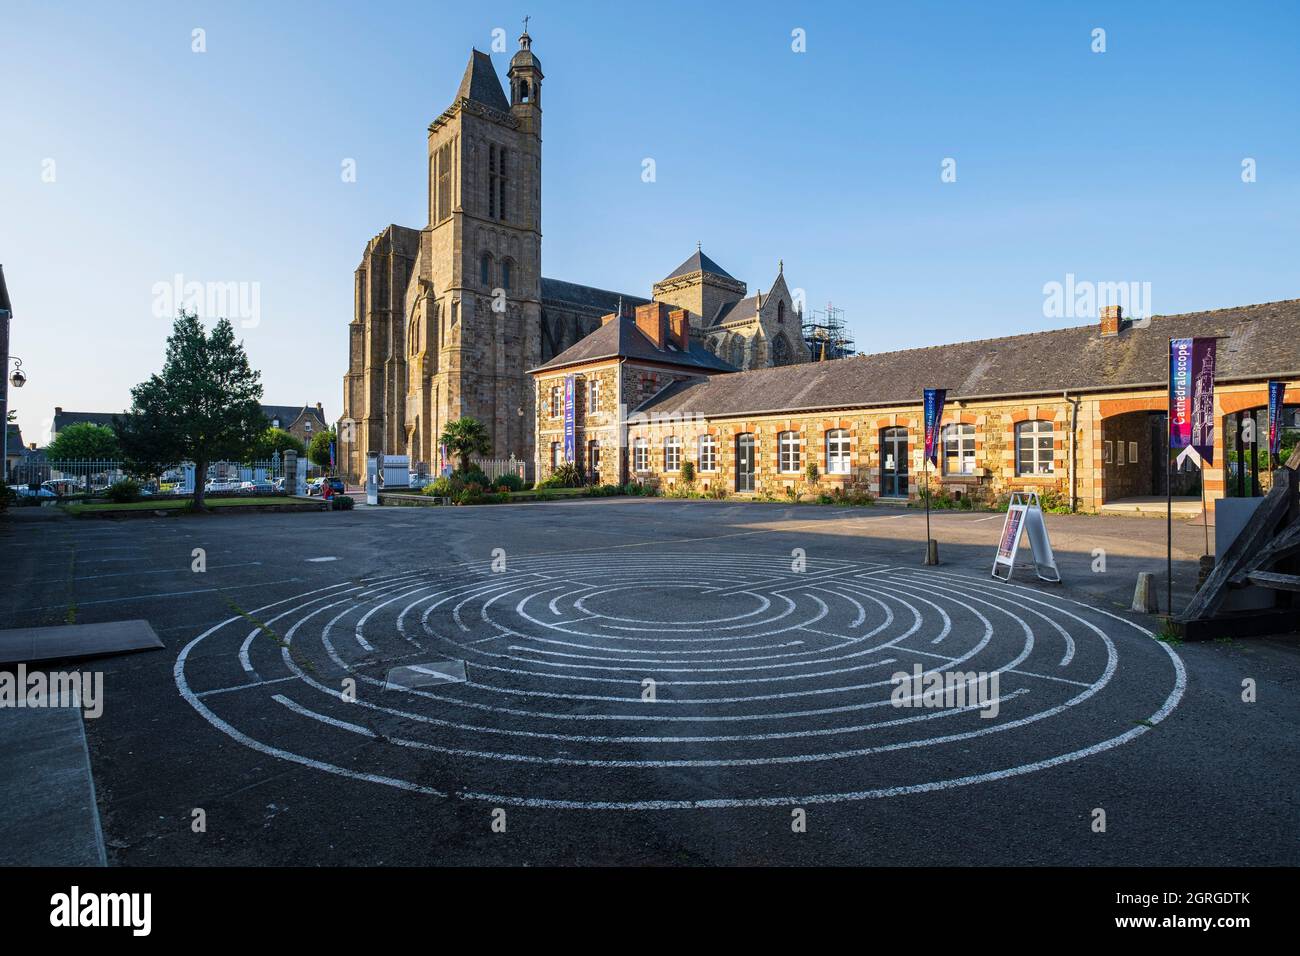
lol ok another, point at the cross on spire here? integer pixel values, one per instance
(526, 19)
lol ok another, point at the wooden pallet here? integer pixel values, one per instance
(1264, 555)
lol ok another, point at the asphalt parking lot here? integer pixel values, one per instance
(656, 682)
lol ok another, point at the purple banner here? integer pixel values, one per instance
(934, 400)
(1276, 396)
(568, 418)
(1191, 396)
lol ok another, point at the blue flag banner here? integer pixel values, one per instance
(1191, 398)
(934, 401)
(568, 418)
(1276, 397)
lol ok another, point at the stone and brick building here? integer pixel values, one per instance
(447, 319)
(1078, 413)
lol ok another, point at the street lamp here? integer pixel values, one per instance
(19, 377)
(307, 425)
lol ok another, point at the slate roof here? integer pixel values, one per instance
(620, 338)
(746, 308)
(4, 294)
(1262, 341)
(63, 419)
(699, 263)
(585, 296)
(14, 438)
(288, 414)
(481, 83)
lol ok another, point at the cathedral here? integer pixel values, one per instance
(448, 319)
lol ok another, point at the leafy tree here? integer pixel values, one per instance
(277, 440)
(204, 406)
(464, 437)
(319, 453)
(84, 440)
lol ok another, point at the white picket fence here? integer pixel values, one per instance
(494, 468)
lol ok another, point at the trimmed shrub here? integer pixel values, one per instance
(443, 487)
(688, 472)
(341, 503)
(510, 483)
(123, 490)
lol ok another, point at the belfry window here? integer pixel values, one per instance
(485, 269)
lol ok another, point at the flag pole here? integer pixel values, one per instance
(1169, 487)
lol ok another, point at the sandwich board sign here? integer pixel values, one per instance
(1025, 516)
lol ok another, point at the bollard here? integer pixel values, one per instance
(1144, 597)
(932, 552)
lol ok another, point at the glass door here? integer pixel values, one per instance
(893, 463)
(745, 462)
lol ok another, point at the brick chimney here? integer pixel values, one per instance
(606, 319)
(652, 320)
(58, 409)
(1112, 319)
(679, 329)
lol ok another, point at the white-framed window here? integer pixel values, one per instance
(789, 451)
(837, 451)
(557, 454)
(1034, 448)
(1132, 453)
(708, 453)
(557, 401)
(672, 453)
(593, 458)
(640, 455)
(958, 449)
(593, 394)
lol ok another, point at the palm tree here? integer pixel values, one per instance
(464, 437)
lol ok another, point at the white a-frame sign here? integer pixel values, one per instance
(1025, 515)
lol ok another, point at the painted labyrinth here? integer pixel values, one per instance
(771, 687)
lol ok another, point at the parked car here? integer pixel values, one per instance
(257, 487)
(337, 485)
(220, 484)
(279, 484)
(27, 491)
(313, 485)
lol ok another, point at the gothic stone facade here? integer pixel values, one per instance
(447, 319)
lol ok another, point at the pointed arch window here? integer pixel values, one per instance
(507, 274)
(485, 269)
(780, 312)
(781, 351)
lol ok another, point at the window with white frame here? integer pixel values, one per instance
(557, 401)
(708, 453)
(789, 451)
(837, 451)
(958, 449)
(593, 394)
(1034, 448)
(593, 457)
(640, 455)
(557, 454)
(672, 453)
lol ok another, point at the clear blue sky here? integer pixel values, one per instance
(225, 165)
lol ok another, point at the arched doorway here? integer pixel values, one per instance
(1247, 469)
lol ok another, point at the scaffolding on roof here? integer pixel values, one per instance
(826, 335)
